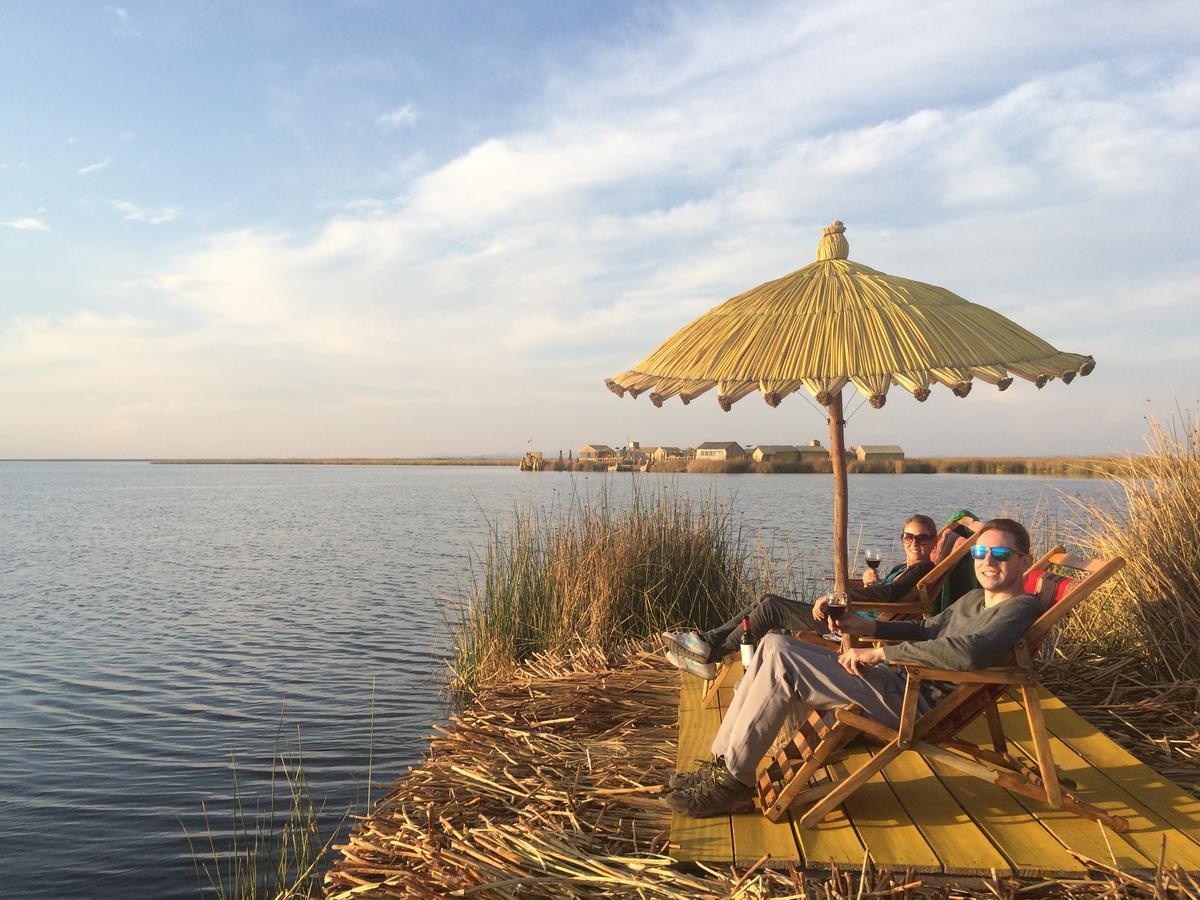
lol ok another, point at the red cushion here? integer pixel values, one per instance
(1050, 588)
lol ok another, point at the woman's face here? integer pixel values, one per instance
(918, 543)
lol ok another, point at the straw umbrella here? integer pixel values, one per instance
(835, 323)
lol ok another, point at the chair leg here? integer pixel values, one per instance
(996, 728)
(849, 785)
(776, 800)
(1018, 783)
(1007, 761)
(724, 674)
(1041, 745)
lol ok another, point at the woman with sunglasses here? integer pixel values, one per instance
(699, 654)
(917, 537)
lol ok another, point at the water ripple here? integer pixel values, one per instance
(159, 618)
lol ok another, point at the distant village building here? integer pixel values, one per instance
(720, 450)
(879, 453)
(597, 452)
(812, 452)
(776, 453)
(658, 454)
(633, 453)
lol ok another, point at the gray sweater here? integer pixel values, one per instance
(964, 636)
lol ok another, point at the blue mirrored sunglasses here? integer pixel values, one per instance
(998, 553)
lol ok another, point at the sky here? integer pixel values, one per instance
(356, 228)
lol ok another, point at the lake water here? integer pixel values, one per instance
(157, 616)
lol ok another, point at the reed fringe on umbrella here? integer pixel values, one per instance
(837, 322)
(547, 787)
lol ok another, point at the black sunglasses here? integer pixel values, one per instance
(908, 537)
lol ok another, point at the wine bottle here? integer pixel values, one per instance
(747, 642)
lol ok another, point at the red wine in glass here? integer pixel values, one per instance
(837, 607)
(873, 558)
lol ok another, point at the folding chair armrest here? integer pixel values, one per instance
(851, 582)
(914, 606)
(995, 675)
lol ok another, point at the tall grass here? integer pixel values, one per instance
(282, 846)
(272, 851)
(597, 572)
(1151, 609)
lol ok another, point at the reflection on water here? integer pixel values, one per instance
(157, 616)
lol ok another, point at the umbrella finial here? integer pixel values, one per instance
(833, 242)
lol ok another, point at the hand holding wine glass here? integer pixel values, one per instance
(837, 607)
(873, 558)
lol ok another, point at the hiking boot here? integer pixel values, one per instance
(707, 671)
(718, 795)
(685, 781)
(689, 644)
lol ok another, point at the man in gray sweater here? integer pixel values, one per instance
(976, 632)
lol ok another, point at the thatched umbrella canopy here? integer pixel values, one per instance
(837, 322)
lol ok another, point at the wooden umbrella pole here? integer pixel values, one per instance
(837, 456)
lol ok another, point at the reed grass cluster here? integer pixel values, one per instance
(596, 571)
(1044, 466)
(273, 849)
(1151, 610)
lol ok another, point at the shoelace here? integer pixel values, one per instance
(707, 773)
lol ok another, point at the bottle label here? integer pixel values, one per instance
(747, 654)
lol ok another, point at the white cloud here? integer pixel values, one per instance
(654, 181)
(132, 213)
(124, 26)
(402, 117)
(95, 167)
(27, 223)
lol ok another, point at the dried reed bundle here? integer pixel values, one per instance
(547, 787)
(1157, 721)
(1151, 610)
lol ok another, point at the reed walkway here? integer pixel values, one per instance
(923, 817)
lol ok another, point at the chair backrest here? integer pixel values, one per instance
(1061, 581)
(951, 547)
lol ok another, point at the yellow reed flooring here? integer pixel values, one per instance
(927, 818)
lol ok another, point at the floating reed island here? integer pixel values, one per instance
(546, 782)
(547, 786)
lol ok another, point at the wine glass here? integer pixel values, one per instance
(873, 558)
(837, 607)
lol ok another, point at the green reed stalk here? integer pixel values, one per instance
(266, 859)
(597, 572)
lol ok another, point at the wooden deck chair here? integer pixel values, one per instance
(951, 546)
(1062, 581)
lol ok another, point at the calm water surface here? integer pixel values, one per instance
(156, 617)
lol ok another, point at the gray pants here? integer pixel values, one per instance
(785, 670)
(768, 612)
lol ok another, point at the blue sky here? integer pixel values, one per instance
(379, 229)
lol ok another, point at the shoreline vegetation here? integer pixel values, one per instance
(1038, 466)
(542, 781)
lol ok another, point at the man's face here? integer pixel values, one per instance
(996, 575)
(918, 543)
